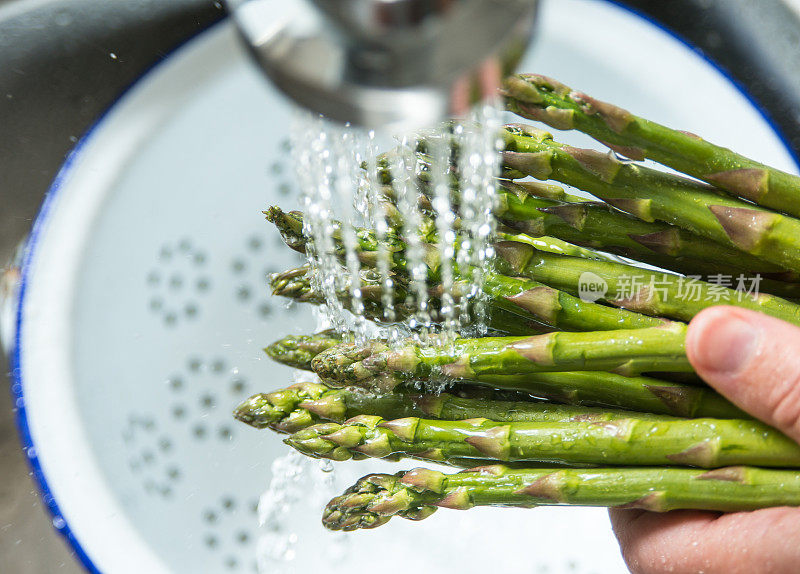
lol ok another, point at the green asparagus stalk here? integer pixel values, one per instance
(540, 98)
(627, 352)
(559, 308)
(290, 226)
(586, 388)
(296, 285)
(597, 225)
(705, 443)
(305, 404)
(649, 292)
(518, 306)
(592, 388)
(537, 208)
(654, 195)
(417, 493)
(297, 350)
(558, 272)
(598, 388)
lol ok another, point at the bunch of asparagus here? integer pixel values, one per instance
(568, 401)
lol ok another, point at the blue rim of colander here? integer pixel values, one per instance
(58, 520)
(17, 387)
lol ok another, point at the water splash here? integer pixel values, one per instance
(277, 541)
(479, 164)
(344, 190)
(403, 170)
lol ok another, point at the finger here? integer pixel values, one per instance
(752, 359)
(683, 542)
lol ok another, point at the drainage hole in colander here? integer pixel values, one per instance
(190, 310)
(207, 402)
(238, 266)
(194, 364)
(254, 243)
(243, 293)
(276, 168)
(238, 386)
(265, 310)
(225, 433)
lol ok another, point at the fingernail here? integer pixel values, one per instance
(726, 345)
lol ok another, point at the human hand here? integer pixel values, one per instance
(754, 360)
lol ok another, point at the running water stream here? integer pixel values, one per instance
(346, 197)
(445, 234)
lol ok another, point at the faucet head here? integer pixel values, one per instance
(393, 64)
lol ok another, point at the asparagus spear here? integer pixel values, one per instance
(304, 404)
(649, 292)
(296, 284)
(626, 352)
(540, 98)
(290, 226)
(297, 350)
(599, 226)
(537, 208)
(417, 493)
(705, 443)
(518, 306)
(651, 194)
(596, 388)
(564, 273)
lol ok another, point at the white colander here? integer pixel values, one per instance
(143, 310)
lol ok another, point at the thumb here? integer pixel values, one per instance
(752, 359)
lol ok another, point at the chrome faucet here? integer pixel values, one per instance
(385, 63)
